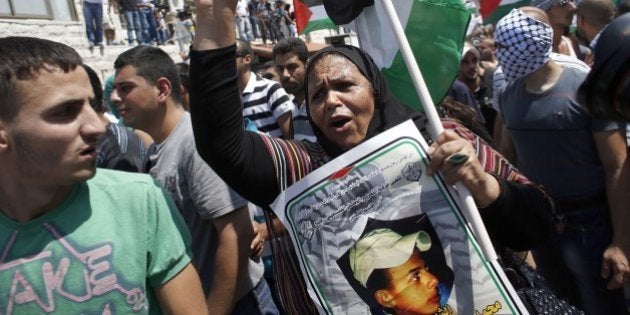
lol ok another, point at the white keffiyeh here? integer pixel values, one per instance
(524, 44)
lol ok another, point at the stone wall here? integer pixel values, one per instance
(72, 33)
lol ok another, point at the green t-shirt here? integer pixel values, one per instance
(101, 251)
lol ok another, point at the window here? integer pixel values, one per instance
(5, 8)
(60, 10)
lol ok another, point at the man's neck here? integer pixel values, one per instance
(23, 201)
(243, 79)
(591, 32)
(172, 115)
(557, 38)
(472, 84)
(299, 98)
(544, 78)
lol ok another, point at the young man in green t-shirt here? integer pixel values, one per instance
(74, 239)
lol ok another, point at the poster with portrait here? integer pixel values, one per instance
(375, 235)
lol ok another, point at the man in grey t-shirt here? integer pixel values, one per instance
(577, 158)
(149, 98)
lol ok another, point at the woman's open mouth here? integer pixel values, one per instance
(340, 123)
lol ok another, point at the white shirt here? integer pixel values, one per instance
(241, 9)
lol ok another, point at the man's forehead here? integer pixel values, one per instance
(289, 57)
(126, 74)
(470, 55)
(413, 264)
(76, 86)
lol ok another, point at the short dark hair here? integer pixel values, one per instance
(152, 63)
(378, 280)
(266, 65)
(184, 74)
(291, 44)
(596, 12)
(97, 87)
(22, 59)
(244, 47)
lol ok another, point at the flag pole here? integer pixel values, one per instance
(436, 128)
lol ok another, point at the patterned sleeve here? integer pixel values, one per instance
(293, 159)
(522, 215)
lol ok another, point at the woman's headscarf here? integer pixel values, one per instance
(388, 111)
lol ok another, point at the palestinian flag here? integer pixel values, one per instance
(435, 30)
(311, 16)
(493, 10)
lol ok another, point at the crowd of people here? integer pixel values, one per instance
(146, 23)
(535, 129)
(259, 20)
(522, 79)
(151, 22)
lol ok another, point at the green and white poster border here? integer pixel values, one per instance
(383, 182)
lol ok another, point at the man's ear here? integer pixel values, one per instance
(164, 88)
(384, 298)
(247, 59)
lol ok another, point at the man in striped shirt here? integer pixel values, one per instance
(265, 102)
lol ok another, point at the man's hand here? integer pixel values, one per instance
(234, 232)
(615, 266)
(456, 158)
(215, 24)
(260, 235)
(611, 149)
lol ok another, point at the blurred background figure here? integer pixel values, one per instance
(120, 148)
(242, 22)
(606, 90)
(184, 69)
(268, 71)
(111, 23)
(592, 17)
(132, 18)
(93, 16)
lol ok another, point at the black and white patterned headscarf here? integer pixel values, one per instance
(524, 44)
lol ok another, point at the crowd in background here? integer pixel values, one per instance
(259, 20)
(136, 22)
(152, 22)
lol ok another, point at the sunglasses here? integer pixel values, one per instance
(241, 54)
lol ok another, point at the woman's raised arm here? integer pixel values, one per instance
(239, 157)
